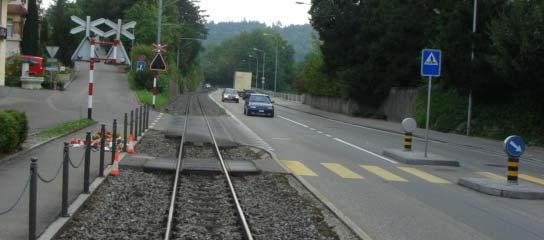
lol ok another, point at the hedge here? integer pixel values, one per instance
(13, 130)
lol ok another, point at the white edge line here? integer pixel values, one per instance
(295, 122)
(364, 150)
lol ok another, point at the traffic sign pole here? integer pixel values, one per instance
(154, 87)
(428, 114)
(91, 81)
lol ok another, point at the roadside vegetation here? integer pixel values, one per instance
(66, 127)
(14, 130)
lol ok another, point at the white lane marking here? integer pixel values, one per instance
(320, 132)
(295, 122)
(328, 135)
(313, 129)
(364, 150)
(280, 138)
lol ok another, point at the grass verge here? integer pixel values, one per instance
(146, 97)
(66, 127)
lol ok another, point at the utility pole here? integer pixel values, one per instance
(264, 63)
(159, 22)
(475, 10)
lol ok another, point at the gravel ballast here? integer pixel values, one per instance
(131, 205)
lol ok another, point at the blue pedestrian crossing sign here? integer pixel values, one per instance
(431, 62)
(514, 146)
(140, 65)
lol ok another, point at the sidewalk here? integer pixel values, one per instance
(488, 145)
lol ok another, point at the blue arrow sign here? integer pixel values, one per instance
(431, 60)
(514, 146)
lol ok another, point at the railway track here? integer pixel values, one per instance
(211, 208)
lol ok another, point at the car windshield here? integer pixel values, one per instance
(230, 91)
(259, 98)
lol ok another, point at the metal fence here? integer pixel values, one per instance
(291, 97)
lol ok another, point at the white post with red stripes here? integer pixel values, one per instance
(91, 80)
(155, 73)
(117, 39)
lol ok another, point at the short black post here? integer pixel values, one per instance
(32, 204)
(102, 149)
(114, 141)
(147, 117)
(65, 179)
(136, 130)
(87, 169)
(131, 122)
(141, 120)
(125, 137)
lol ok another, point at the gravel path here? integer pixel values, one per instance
(131, 205)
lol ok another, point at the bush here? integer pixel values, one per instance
(49, 84)
(13, 71)
(14, 127)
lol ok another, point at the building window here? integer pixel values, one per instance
(9, 26)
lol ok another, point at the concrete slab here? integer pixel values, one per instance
(500, 188)
(195, 164)
(418, 158)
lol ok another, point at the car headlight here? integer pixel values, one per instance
(236, 96)
(225, 96)
(251, 106)
(270, 107)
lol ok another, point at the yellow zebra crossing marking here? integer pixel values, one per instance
(386, 175)
(423, 175)
(531, 178)
(492, 175)
(342, 171)
(298, 168)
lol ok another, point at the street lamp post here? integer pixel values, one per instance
(256, 70)
(276, 61)
(475, 10)
(264, 63)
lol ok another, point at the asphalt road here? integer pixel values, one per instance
(389, 200)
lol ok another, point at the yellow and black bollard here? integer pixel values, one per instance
(407, 141)
(512, 174)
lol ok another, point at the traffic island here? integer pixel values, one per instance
(500, 188)
(418, 158)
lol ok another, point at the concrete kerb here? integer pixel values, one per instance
(58, 225)
(418, 158)
(500, 188)
(17, 154)
(324, 200)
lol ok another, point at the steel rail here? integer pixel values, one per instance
(176, 178)
(247, 231)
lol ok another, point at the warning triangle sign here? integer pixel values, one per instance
(431, 60)
(158, 63)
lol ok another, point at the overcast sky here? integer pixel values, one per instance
(268, 11)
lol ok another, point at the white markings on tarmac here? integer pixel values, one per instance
(364, 150)
(342, 141)
(295, 122)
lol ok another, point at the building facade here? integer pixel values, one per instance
(3, 41)
(17, 10)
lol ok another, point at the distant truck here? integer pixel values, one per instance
(242, 81)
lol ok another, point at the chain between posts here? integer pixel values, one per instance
(18, 199)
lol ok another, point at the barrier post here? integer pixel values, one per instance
(125, 137)
(114, 141)
(131, 122)
(102, 143)
(33, 192)
(407, 141)
(87, 168)
(65, 179)
(512, 173)
(136, 130)
(141, 120)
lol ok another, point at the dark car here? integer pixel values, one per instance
(258, 104)
(248, 93)
(230, 94)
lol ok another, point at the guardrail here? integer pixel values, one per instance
(299, 98)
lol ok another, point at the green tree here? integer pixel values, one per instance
(30, 44)
(58, 15)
